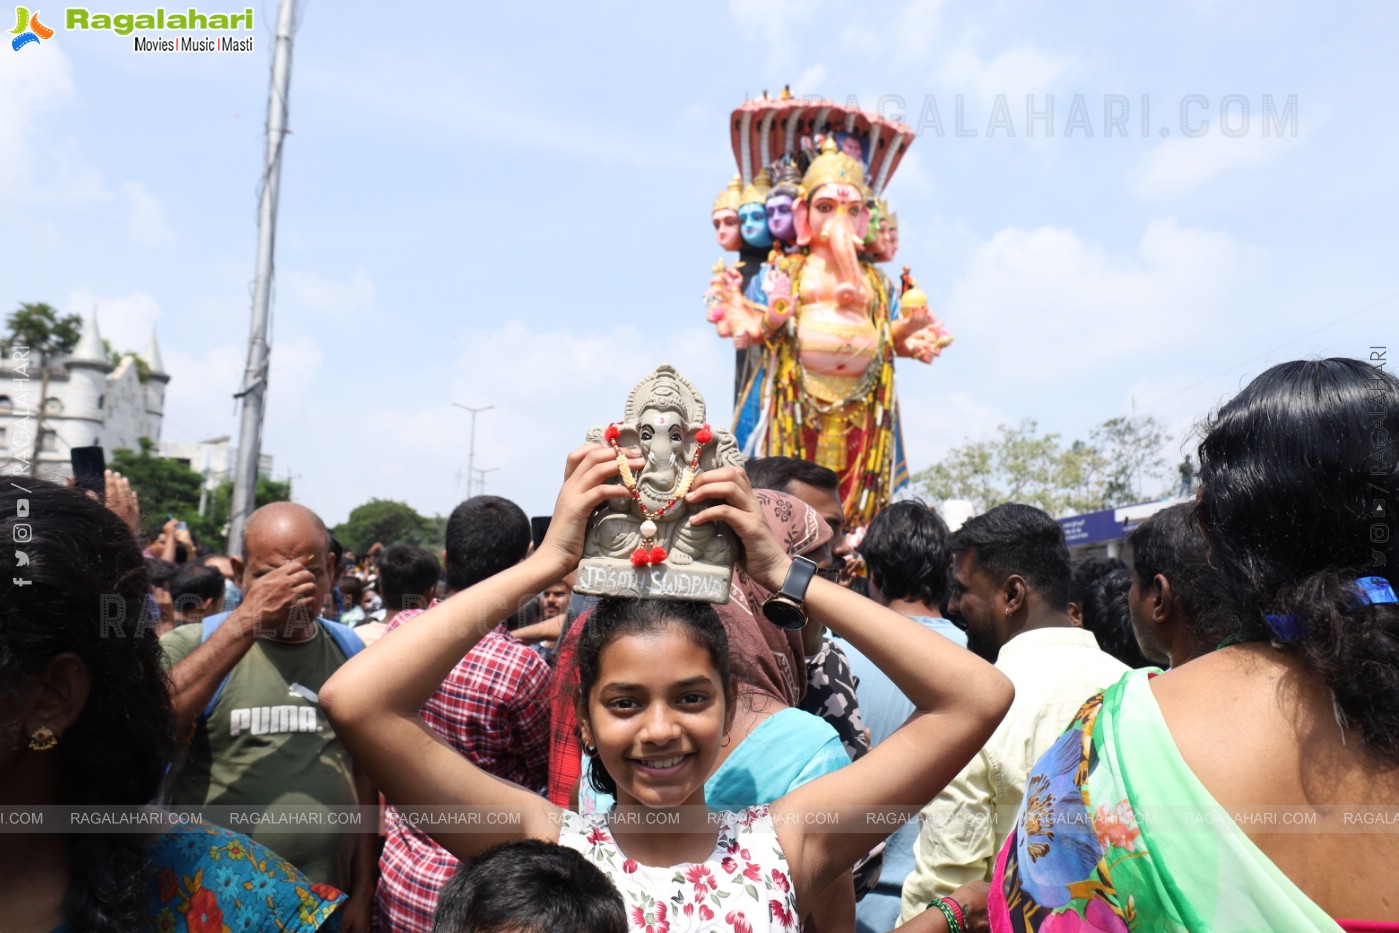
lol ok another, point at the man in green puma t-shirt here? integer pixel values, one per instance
(267, 747)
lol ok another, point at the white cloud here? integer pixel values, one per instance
(862, 39)
(811, 80)
(125, 321)
(1020, 70)
(1177, 401)
(445, 105)
(296, 361)
(70, 181)
(406, 441)
(1072, 305)
(913, 176)
(1069, 332)
(41, 168)
(146, 218)
(34, 84)
(199, 400)
(936, 419)
(916, 26)
(317, 293)
(774, 24)
(1180, 164)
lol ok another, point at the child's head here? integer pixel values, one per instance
(655, 697)
(529, 886)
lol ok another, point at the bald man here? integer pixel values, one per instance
(266, 751)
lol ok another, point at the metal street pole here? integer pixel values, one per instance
(481, 479)
(471, 451)
(254, 390)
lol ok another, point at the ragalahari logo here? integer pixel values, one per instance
(28, 29)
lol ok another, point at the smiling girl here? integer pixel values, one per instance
(655, 704)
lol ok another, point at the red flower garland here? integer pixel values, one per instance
(642, 556)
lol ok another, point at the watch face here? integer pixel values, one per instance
(784, 613)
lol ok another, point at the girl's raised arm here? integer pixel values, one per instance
(959, 700)
(373, 701)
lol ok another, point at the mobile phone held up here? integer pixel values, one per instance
(89, 465)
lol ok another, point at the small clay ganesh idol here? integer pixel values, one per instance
(643, 545)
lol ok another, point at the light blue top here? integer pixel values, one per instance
(885, 708)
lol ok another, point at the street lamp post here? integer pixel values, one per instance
(481, 479)
(471, 450)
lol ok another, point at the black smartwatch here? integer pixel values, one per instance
(784, 608)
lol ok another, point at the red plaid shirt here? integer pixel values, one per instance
(493, 708)
(565, 748)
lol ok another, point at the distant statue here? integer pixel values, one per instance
(642, 545)
(827, 326)
(724, 216)
(752, 213)
(781, 200)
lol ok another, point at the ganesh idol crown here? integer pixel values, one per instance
(815, 321)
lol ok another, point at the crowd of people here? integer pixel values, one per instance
(976, 733)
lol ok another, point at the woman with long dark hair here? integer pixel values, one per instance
(1231, 793)
(86, 723)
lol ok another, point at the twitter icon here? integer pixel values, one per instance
(21, 559)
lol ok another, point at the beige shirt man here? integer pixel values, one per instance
(1010, 581)
(1054, 670)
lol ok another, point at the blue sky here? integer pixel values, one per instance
(509, 206)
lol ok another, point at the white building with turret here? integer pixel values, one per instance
(88, 401)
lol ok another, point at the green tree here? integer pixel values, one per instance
(167, 489)
(1122, 459)
(47, 334)
(221, 500)
(40, 327)
(1134, 450)
(439, 534)
(385, 521)
(143, 369)
(1018, 465)
(1081, 477)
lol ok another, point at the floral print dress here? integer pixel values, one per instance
(207, 879)
(743, 887)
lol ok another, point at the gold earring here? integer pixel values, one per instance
(725, 743)
(42, 739)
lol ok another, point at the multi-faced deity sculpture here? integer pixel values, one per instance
(752, 214)
(725, 216)
(880, 246)
(833, 219)
(780, 202)
(644, 545)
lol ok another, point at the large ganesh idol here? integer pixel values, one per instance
(829, 325)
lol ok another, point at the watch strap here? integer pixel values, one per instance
(798, 579)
